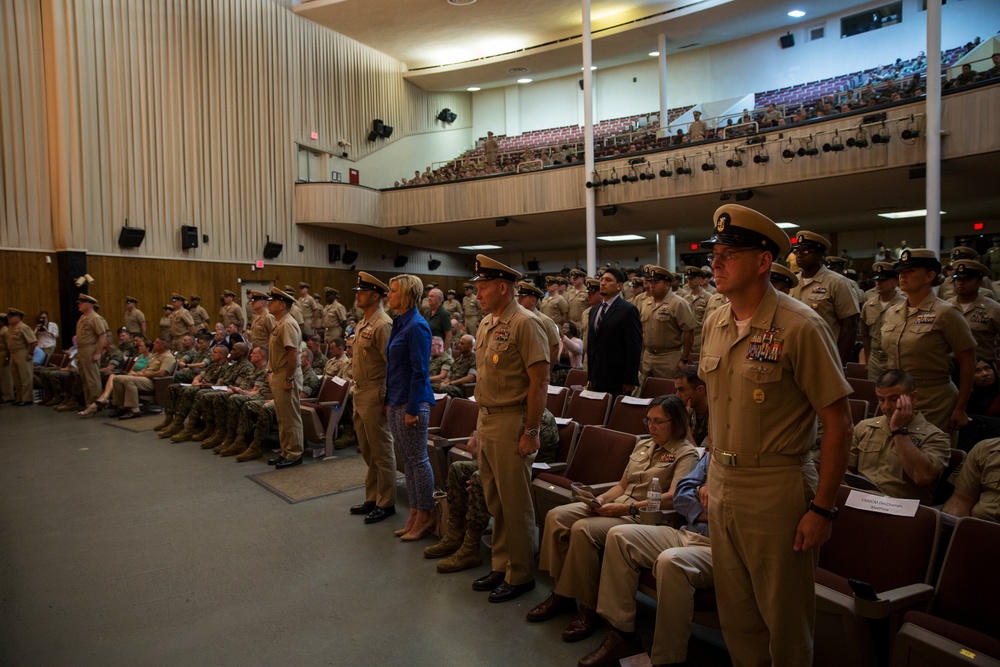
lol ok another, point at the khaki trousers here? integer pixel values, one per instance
(936, 403)
(289, 415)
(20, 369)
(90, 373)
(375, 444)
(506, 478)
(125, 389)
(681, 561)
(765, 590)
(662, 365)
(571, 549)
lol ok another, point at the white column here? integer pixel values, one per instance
(666, 249)
(661, 45)
(932, 230)
(588, 134)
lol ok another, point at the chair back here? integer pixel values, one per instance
(856, 370)
(576, 377)
(627, 414)
(568, 433)
(601, 455)
(653, 387)
(461, 419)
(55, 360)
(864, 390)
(438, 410)
(859, 410)
(944, 487)
(968, 588)
(884, 550)
(555, 401)
(589, 408)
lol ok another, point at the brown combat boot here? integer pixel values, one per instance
(449, 544)
(168, 417)
(173, 428)
(236, 446)
(252, 452)
(184, 434)
(468, 556)
(213, 443)
(206, 434)
(69, 405)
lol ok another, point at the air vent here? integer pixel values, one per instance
(817, 33)
(518, 70)
(460, 3)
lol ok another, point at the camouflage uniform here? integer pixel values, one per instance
(179, 399)
(310, 383)
(439, 362)
(228, 410)
(319, 363)
(260, 418)
(338, 368)
(188, 374)
(215, 408)
(459, 369)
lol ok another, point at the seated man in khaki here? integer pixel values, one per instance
(977, 492)
(900, 451)
(126, 387)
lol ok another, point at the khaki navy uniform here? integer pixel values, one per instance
(873, 455)
(134, 319)
(870, 325)
(506, 346)
(310, 313)
(89, 337)
(764, 389)
(556, 307)
(339, 368)
(453, 306)
(979, 478)
(715, 302)
(286, 334)
(574, 535)
(200, 316)
(471, 310)
(664, 325)
(232, 314)
(983, 318)
(261, 328)
(921, 344)
(698, 303)
(165, 322)
(6, 377)
(577, 304)
(334, 319)
(829, 294)
(20, 340)
(125, 388)
(370, 424)
(181, 324)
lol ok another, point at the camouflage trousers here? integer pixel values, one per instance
(469, 504)
(257, 417)
(180, 399)
(454, 392)
(227, 411)
(55, 382)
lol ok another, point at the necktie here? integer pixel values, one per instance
(600, 315)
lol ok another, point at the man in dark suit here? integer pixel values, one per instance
(614, 339)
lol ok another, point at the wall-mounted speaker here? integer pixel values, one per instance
(131, 237)
(433, 264)
(386, 131)
(532, 264)
(272, 250)
(787, 41)
(333, 252)
(400, 261)
(189, 237)
(350, 256)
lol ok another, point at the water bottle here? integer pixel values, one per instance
(653, 495)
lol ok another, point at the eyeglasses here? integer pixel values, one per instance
(655, 422)
(726, 255)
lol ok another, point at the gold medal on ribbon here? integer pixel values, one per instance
(364, 352)
(758, 395)
(496, 358)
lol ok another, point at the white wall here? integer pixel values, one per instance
(401, 158)
(488, 113)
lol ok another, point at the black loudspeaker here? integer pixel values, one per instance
(350, 256)
(377, 126)
(433, 264)
(532, 264)
(400, 261)
(581, 83)
(386, 131)
(272, 250)
(333, 252)
(447, 116)
(131, 237)
(373, 135)
(787, 41)
(189, 237)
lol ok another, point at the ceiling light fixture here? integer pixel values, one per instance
(622, 237)
(787, 225)
(473, 89)
(654, 54)
(485, 246)
(796, 13)
(524, 80)
(899, 215)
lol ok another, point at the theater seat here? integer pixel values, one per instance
(589, 407)
(320, 418)
(962, 626)
(653, 387)
(627, 414)
(456, 428)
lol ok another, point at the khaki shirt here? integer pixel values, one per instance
(983, 319)
(715, 302)
(134, 320)
(870, 325)
(161, 362)
(979, 478)
(261, 328)
(664, 323)
(20, 337)
(764, 400)
(231, 314)
(551, 328)
(829, 295)
(452, 306)
(921, 343)
(670, 462)
(340, 368)
(310, 309)
(556, 307)
(89, 332)
(286, 334)
(471, 309)
(369, 349)
(506, 346)
(180, 323)
(296, 314)
(334, 316)
(577, 304)
(199, 315)
(698, 302)
(873, 454)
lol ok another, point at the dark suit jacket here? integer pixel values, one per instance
(614, 349)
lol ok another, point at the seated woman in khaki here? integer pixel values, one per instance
(574, 534)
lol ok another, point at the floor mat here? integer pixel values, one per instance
(314, 480)
(138, 424)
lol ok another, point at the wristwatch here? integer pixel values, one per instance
(632, 509)
(900, 431)
(532, 432)
(291, 379)
(825, 513)
(686, 360)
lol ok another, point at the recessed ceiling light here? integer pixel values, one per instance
(622, 237)
(592, 68)
(922, 213)
(524, 80)
(654, 53)
(796, 13)
(787, 225)
(473, 89)
(485, 246)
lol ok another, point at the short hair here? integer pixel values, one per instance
(225, 348)
(314, 338)
(891, 377)
(307, 355)
(617, 273)
(137, 337)
(338, 342)
(676, 411)
(242, 346)
(410, 288)
(204, 335)
(436, 292)
(437, 339)
(690, 373)
(263, 350)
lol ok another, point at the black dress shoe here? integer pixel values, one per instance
(364, 508)
(505, 591)
(380, 513)
(287, 463)
(117, 412)
(489, 582)
(275, 460)
(128, 414)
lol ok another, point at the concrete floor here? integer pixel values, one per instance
(117, 548)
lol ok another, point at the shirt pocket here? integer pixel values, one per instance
(710, 365)
(761, 389)
(869, 450)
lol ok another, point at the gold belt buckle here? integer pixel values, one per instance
(727, 459)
